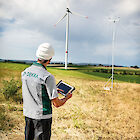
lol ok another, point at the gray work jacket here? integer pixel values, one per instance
(38, 89)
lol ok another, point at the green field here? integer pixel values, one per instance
(99, 73)
(91, 114)
(85, 72)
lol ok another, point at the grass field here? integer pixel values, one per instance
(91, 114)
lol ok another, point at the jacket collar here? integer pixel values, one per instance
(39, 65)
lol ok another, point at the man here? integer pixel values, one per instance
(39, 93)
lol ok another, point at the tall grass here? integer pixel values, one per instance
(5, 120)
(91, 114)
(10, 88)
(94, 114)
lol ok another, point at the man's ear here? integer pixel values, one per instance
(48, 62)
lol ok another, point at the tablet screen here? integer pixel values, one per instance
(65, 87)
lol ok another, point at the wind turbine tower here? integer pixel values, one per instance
(67, 31)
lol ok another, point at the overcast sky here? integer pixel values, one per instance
(25, 24)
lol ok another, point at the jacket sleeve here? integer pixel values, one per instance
(51, 87)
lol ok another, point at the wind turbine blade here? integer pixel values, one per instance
(60, 19)
(77, 14)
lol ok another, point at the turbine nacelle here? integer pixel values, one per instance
(67, 10)
(114, 19)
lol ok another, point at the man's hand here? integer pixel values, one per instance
(59, 102)
(68, 96)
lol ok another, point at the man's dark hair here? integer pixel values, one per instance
(43, 61)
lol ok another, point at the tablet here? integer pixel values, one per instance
(65, 87)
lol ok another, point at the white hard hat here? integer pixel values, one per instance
(45, 51)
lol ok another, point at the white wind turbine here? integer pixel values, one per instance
(114, 20)
(67, 30)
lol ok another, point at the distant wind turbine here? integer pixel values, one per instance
(67, 30)
(114, 20)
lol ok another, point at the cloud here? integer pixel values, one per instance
(24, 25)
(128, 7)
